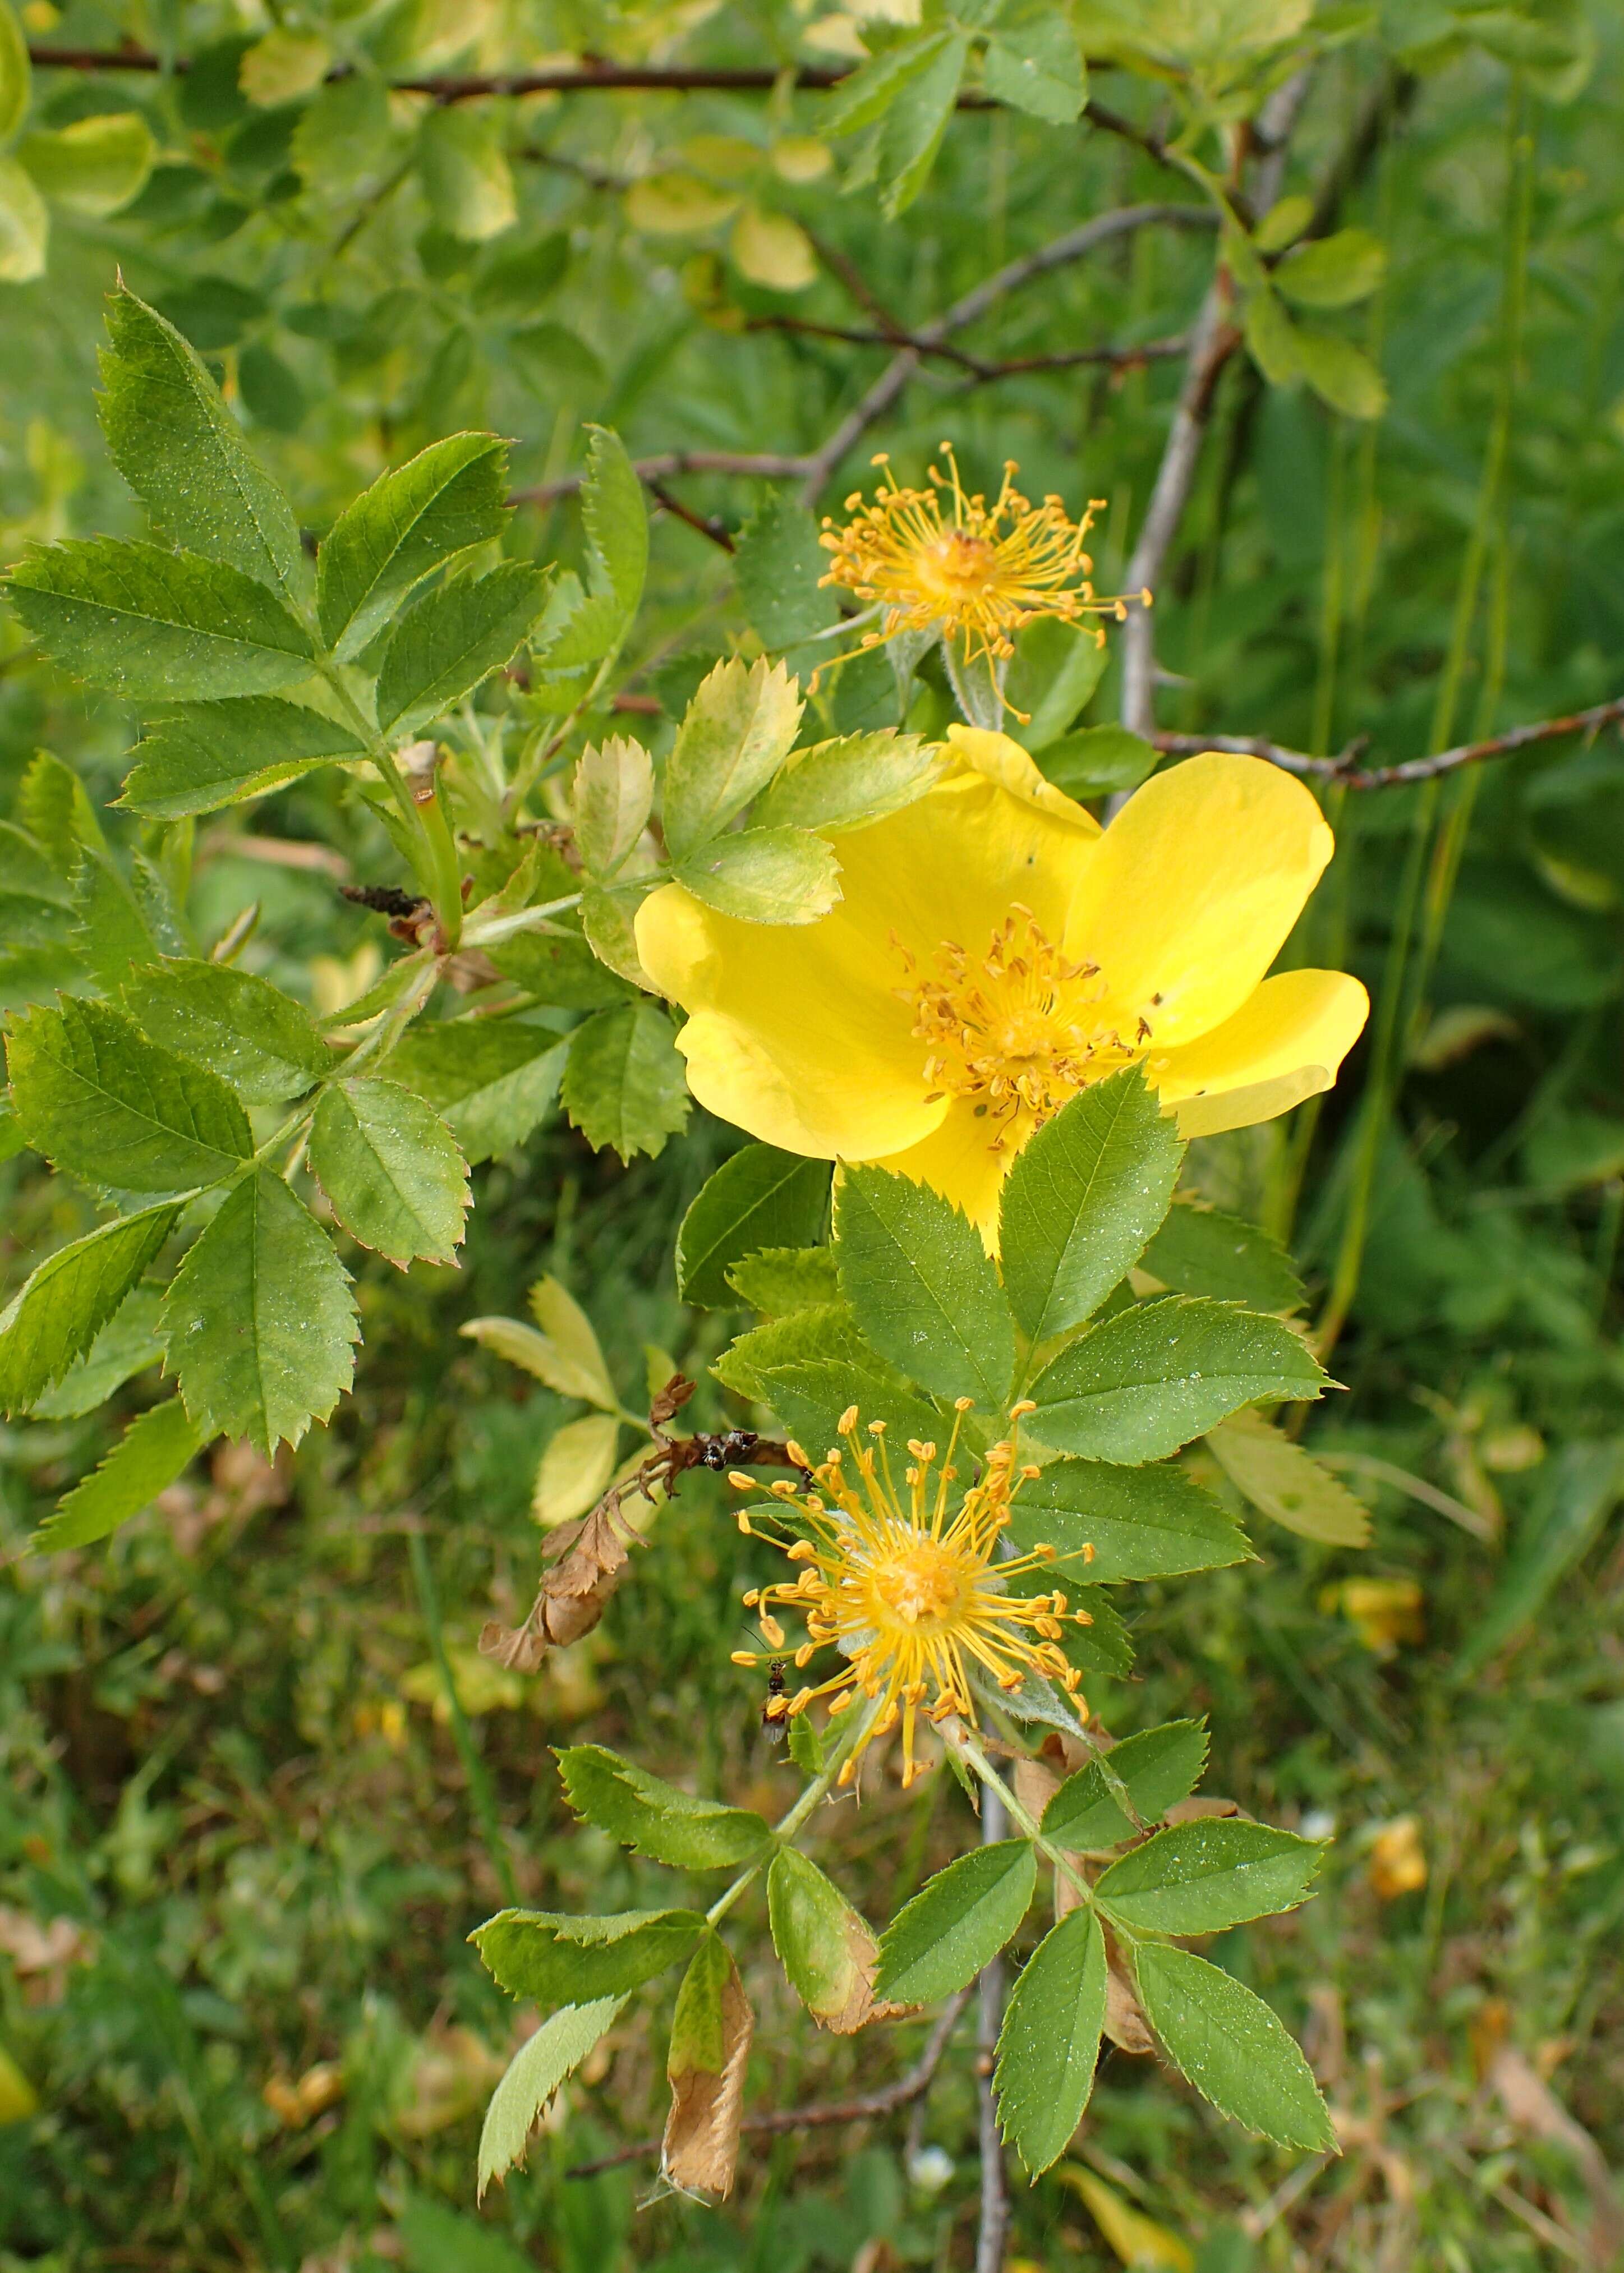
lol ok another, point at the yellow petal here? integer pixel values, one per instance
(1191, 892)
(959, 1162)
(794, 1033)
(1000, 758)
(1283, 1045)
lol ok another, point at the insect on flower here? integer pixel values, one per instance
(910, 1588)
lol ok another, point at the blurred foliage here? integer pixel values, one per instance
(239, 1847)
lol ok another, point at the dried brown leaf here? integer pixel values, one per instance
(700, 2150)
(587, 1559)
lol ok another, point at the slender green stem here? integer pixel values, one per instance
(852, 1730)
(482, 1797)
(964, 1743)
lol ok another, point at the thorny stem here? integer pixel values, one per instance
(963, 1742)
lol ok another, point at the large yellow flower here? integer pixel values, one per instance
(996, 951)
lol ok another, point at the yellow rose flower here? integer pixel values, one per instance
(996, 951)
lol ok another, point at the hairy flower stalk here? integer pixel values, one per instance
(910, 1588)
(939, 560)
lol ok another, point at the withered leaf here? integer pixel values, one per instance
(587, 1559)
(711, 2035)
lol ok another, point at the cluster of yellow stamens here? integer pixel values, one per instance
(912, 1592)
(938, 561)
(1019, 1030)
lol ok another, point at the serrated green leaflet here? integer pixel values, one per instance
(258, 1038)
(778, 562)
(1081, 1200)
(810, 1394)
(956, 1923)
(654, 1818)
(1152, 1522)
(616, 522)
(445, 499)
(100, 1100)
(922, 1286)
(535, 2073)
(126, 1345)
(759, 1199)
(493, 1084)
(63, 1308)
(146, 1461)
(815, 1329)
(157, 626)
(113, 930)
(763, 875)
(451, 639)
(182, 454)
(204, 755)
(734, 735)
(557, 1960)
(1231, 2047)
(1203, 1251)
(824, 1947)
(259, 1322)
(1037, 66)
(391, 1170)
(623, 1084)
(780, 1280)
(1286, 1483)
(1145, 1382)
(1201, 1876)
(1049, 2043)
(1158, 1767)
(848, 783)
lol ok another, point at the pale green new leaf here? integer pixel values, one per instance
(93, 166)
(870, 91)
(1152, 1522)
(624, 1083)
(1334, 271)
(957, 1923)
(1286, 1483)
(450, 640)
(1148, 1379)
(1231, 2047)
(614, 794)
(735, 734)
(16, 74)
(1342, 374)
(467, 179)
(102, 1102)
(157, 626)
(1082, 1200)
(392, 1171)
(654, 1819)
(1201, 1876)
(182, 454)
(448, 497)
(203, 756)
(63, 1306)
(1049, 2046)
(25, 224)
(146, 1461)
(260, 1325)
(535, 2073)
(763, 875)
(572, 1335)
(848, 783)
(924, 1289)
(234, 1022)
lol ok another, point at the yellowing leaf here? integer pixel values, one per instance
(1286, 1483)
(1398, 1859)
(575, 1469)
(721, 157)
(560, 1316)
(95, 165)
(282, 67)
(1384, 1611)
(802, 158)
(1138, 2240)
(481, 1686)
(19, 2099)
(770, 249)
(677, 205)
(24, 225)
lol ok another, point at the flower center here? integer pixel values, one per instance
(1018, 1031)
(922, 1581)
(954, 568)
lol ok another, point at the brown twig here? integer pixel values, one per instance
(863, 2109)
(707, 525)
(980, 371)
(1343, 767)
(766, 466)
